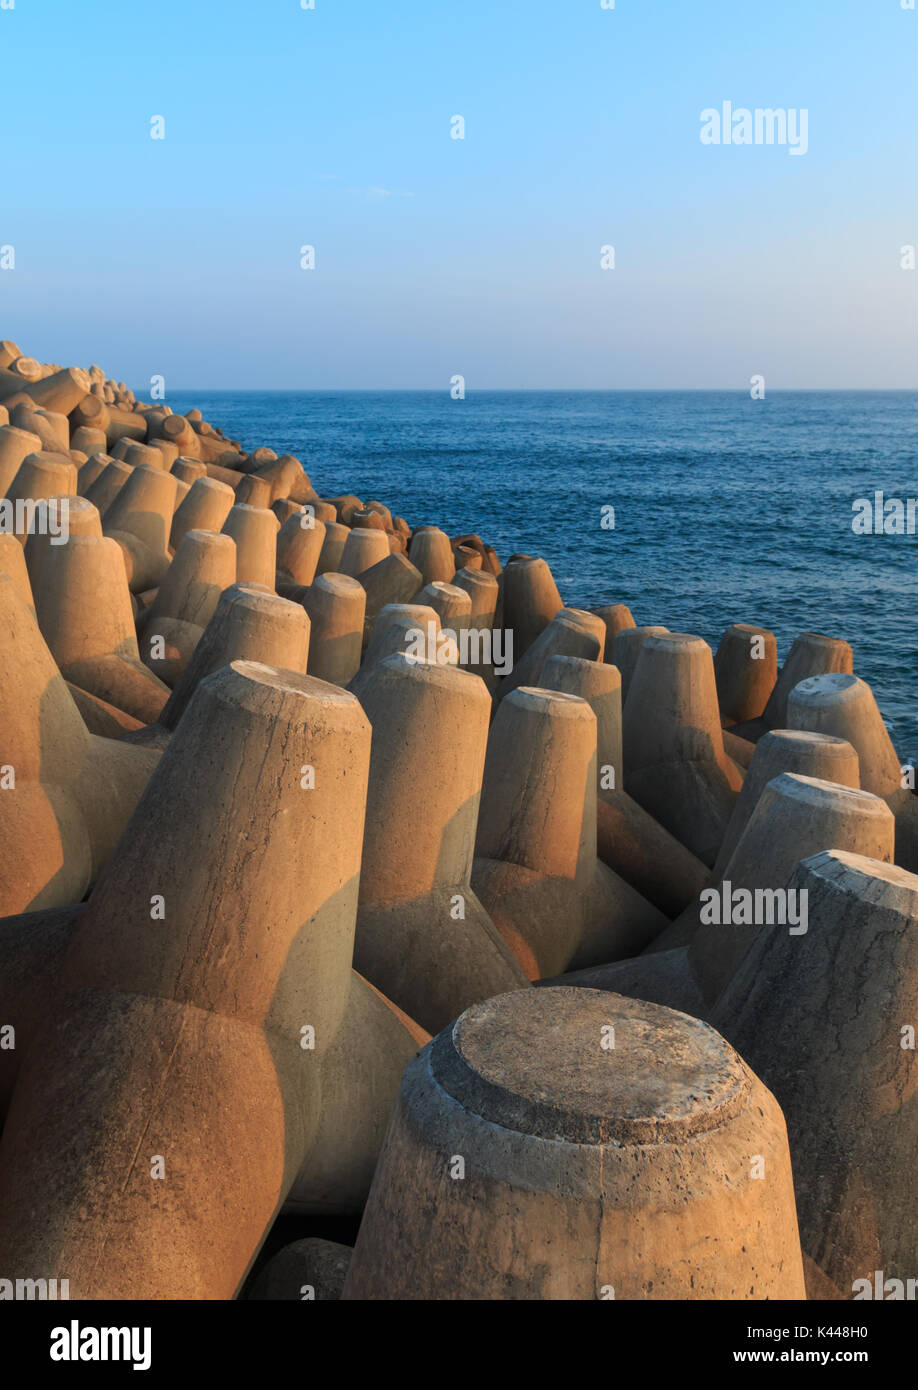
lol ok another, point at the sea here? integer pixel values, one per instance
(723, 508)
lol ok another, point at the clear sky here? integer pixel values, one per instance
(330, 127)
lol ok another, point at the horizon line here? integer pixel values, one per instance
(541, 390)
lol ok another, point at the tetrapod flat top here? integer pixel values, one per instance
(544, 1062)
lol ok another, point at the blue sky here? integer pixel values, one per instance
(331, 127)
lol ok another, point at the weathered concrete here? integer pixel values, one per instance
(84, 612)
(299, 545)
(249, 624)
(431, 553)
(675, 763)
(842, 705)
(423, 937)
(188, 1029)
(536, 869)
(812, 654)
(254, 529)
(205, 508)
(140, 520)
(529, 600)
(794, 817)
(335, 604)
(571, 632)
(745, 669)
(626, 648)
(170, 629)
(67, 795)
(587, 1172)
(786, 750)
(392, 580)
(824, 1019)
(306, 1270)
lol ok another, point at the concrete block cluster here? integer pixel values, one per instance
(349, 875)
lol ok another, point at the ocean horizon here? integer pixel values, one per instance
(726, 509)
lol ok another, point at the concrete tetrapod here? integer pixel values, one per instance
(65, 795)
(185, 470)
(529, 1159)
(745, 669)
(601, 686)
(423, 937)
(629, 841)
(617, 618)
(571, 632)
(254, 529)
(794, 817)
(249, 624)
(299, 545)
(198, 1097)
(843, 705)
(357, 1094)
(392, 580)
(140, 519)
(483, 589)
(204, 565)
(336, 606)
(43, 480)
(205, 508)
(675, 763)
(140, 455)
(404, 627)
(15, 446)
(307, 1269)
(779, 750)
(332, 548)
(452, 605)
(72, 516)
(90, 442)
(357, 1090)
(287, 478)
(530, 600)
(84, 612)
(626, 648)
(53, 430)
(254, 492)
(812, 654)
(431, 553)
(851, 980)
(107, 484)
(536, 869)
(363, 549)
(93, 468)
(786, 750)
